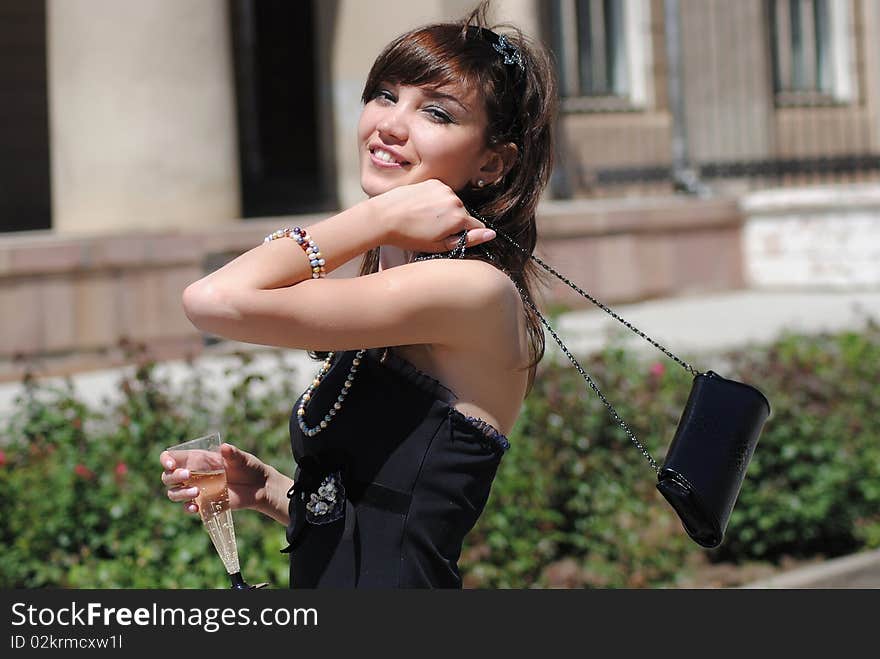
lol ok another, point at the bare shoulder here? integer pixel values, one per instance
(477, 281)
(495, 320)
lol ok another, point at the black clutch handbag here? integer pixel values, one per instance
(713, 444)
(707, 460)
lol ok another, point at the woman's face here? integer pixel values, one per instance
(411, 134)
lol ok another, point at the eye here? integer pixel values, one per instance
(384, 96)
(439, 115)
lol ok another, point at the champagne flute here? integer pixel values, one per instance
(201, 456)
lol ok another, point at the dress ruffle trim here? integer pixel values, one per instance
(490, 434)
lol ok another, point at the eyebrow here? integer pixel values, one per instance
(433, 93)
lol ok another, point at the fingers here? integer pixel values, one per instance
(167, 461)
(185, 495)
(242, 458)
(175, 480)
(477, 232)
(478, 236)
(231, 452)
(474, 237)
(182, 493)
(439, 216)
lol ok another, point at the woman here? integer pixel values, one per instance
(428, 358)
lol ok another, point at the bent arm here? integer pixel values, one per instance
(267, 296)
(443, 302)
(282, 263)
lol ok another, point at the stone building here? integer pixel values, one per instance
(146, 142)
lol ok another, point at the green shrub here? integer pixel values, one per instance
(81, 501)
(812, 488)
(814, 483)
(574, 502)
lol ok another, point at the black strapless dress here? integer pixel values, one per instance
(384, 496)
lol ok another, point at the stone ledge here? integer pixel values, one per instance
(48, 252)
(581, 217)
(821, 198)
(627, 250)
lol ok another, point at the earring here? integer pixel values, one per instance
(481, 183)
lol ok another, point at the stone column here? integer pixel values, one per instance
(142, 115)
(362, 30)
(870, 28)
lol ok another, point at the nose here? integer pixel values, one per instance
(393, 124)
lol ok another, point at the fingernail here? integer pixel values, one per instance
(193, 491)
(184, 473)
(191, 508)
(168, 464)
(488, 234)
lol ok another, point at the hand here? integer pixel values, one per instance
(427, 217)
(246, 478)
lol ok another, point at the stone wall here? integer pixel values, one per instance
(626, 250)
(73, 303)
(827, 237)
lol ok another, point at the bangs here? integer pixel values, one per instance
(431, 57)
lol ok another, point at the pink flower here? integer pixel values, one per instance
(657, 369)
(121, 469)
(83, 472)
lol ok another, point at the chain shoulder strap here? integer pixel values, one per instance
(459, 252)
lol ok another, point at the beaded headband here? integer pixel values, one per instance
(507, 50)
(510, 54)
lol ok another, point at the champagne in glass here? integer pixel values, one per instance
(202, 458)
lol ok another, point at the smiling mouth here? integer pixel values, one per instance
(385, 158)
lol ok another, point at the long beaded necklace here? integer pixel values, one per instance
(340, 399)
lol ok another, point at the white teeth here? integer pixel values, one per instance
(384, 156)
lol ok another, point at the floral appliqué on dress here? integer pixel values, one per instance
(328, 503)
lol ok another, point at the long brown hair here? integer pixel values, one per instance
(521, 103)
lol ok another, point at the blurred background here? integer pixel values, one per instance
(707, 150)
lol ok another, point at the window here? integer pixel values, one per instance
(603, 53)
(26, 190)
(812, 51)
(279, 109)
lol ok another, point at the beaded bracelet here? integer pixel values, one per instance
(304, 240)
